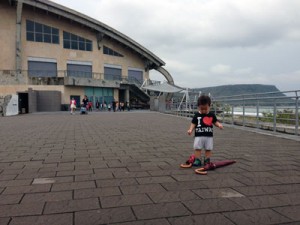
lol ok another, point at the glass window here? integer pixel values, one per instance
(38, 28)
(55, 31)
(47, 29)
(81, 46)
(74, 45)
(29, 25)
(55, 39)
(89, 46)
(38, 37)
(109, 51)
(47, 38)
(66, 35)
(30, 36)
(72, 41)
(41, 33)
(67, 44)
(74, 37)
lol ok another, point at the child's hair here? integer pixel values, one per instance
(204, 100)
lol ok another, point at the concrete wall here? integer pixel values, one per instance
(7, 36)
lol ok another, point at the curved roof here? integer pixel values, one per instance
(153, 62)
(164, 87)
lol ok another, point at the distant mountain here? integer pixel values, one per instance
(237, 89)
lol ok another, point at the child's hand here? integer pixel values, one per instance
(190, 132)
(221, 126)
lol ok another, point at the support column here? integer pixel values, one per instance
(127, 95)
(18, 36)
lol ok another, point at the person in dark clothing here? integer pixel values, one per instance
(97, 105)
(114, 105)
(85, 101)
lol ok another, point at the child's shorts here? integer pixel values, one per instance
(203, 143)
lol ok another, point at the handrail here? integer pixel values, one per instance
(15, 77)
(261, 111)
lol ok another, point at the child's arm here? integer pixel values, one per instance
(192, 127)
(218, 124)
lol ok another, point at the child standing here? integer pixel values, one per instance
(202, 123)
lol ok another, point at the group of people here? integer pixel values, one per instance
(100, 106)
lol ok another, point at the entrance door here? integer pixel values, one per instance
(23, 102)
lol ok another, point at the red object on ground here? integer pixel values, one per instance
(213, 165)
(189, 162)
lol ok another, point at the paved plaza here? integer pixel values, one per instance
(123, 168)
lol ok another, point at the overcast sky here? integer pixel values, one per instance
(211, 42)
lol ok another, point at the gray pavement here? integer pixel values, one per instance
(123, 168)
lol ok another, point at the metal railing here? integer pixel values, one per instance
(42, 77)
(274, 111)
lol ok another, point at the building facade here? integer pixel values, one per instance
(48, 49)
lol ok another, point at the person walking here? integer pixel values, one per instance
(73, 106)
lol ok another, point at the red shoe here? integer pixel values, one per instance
(189, 162)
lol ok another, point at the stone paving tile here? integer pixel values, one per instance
(130, 174)
(116, 182)
(96, 192)
(71, 205)
(160, 210)
(7, 176)
(27, 189)
(187, 185)
(153, 180)
(218, 193)
(290, 198)
(12, 183)
(257, 202)
(172, 196)
(36, 175)
(104, 216)
(211, 205)
(57, 219)
(295, 179)
(21, 209)
(259, 190)
(48, 197)
(4, 221)
(10, 199)
(146, 222)
(259, 216)
(257, 181)
(74, 172)
(143, 188)
(73, 186)
(124, 200)
(210, 219)
(291, 212)
(97, 176)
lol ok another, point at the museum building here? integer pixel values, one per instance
(50, 54)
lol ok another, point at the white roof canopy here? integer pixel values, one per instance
(163, 87)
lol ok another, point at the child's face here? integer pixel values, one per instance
(204, 109)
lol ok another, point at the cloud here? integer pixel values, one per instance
(220, 69)
(245, 41)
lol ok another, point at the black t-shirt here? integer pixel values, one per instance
(85, 102)
(204, 124)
